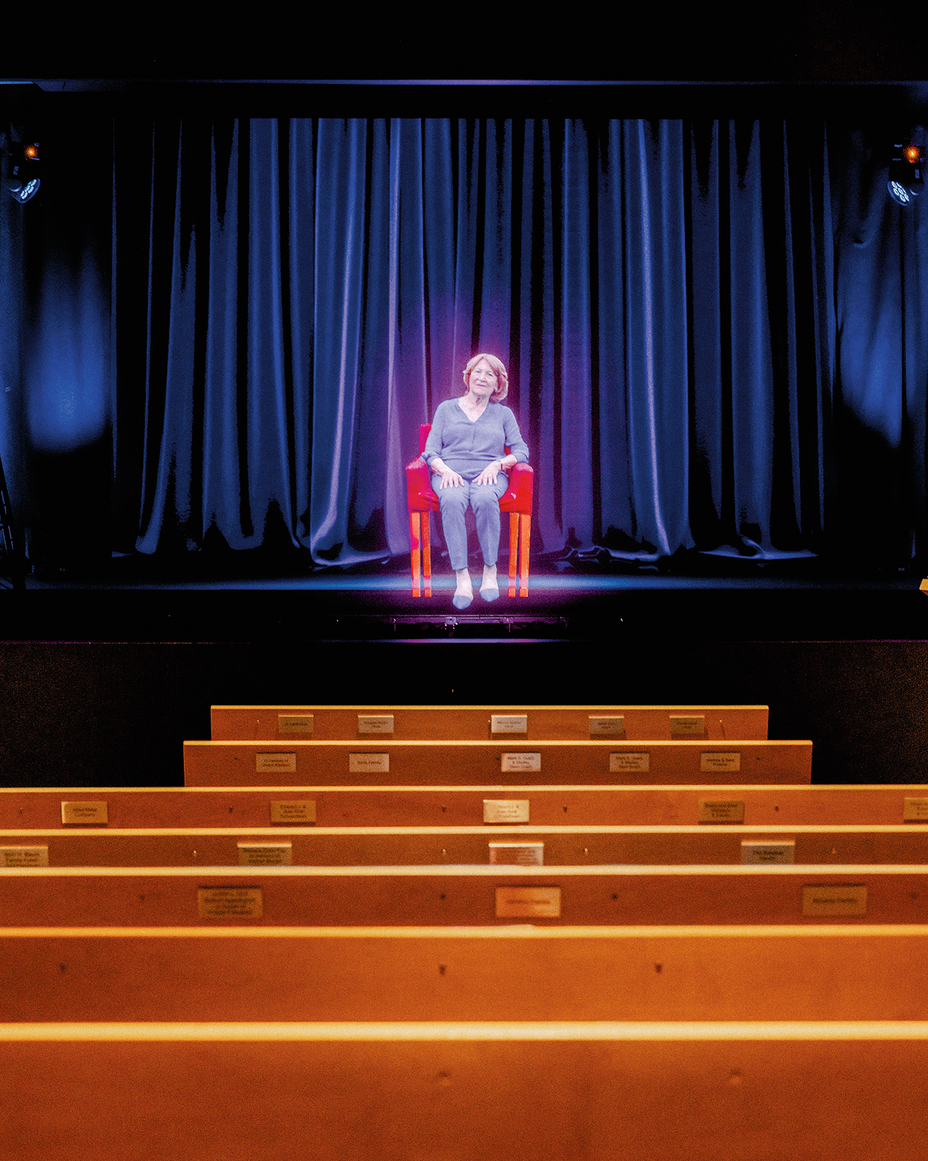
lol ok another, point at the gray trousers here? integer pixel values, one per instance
(484, 499)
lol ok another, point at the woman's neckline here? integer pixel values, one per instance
(474, 418)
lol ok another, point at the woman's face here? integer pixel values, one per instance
(483, 380)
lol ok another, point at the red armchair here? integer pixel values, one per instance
(517, 501)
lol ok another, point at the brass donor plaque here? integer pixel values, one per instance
(528, 902)
(518, 854)
(520, 763)
(23, 856)
(295, 723)
(275, 763)
(368, 763)
(830, 900)
(230, 902)
(606, 726)
(721, 811)
(84, 813)
(772, 854)
(719, 763)
(630, 763)
(265, 854)
(509, 723)
(505, 810)
(293, 813)
(375, 723)
(915, 810)
(688, 725)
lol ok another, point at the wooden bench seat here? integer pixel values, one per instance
(465, 1091)
(550, 805)
(526, 972)
(468, 895)
(570, 723)
(399, 846)
(385, 762)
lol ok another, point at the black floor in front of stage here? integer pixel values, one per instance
(105, 672)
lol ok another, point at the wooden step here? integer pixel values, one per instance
(525, 972)
(385, 762)
(385, 806)
(416, 846)
(443, 896)
(481, 723)
(465, 1091)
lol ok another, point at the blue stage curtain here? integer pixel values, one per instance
(712, 330)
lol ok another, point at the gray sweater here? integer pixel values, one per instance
(467, 447)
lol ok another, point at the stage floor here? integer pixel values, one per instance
(245, 598)
(104, 673)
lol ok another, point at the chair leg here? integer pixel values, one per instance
(415, 551)
(513, 550)
(525, 537)
(427, 552)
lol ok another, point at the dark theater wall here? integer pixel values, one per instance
(116, 714)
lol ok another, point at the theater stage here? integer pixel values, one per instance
(262, 596)
(104, 672)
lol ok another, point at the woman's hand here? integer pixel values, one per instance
(449, 478)
(489, 473)
(493, 469)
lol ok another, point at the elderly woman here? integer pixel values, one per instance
(466, 454)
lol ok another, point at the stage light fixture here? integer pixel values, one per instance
(906, 172)
(22, 192)
(23, 181)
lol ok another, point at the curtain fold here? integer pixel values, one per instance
(713, 330)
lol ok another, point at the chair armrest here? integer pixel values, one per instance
(418, 479)
(521, 484)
